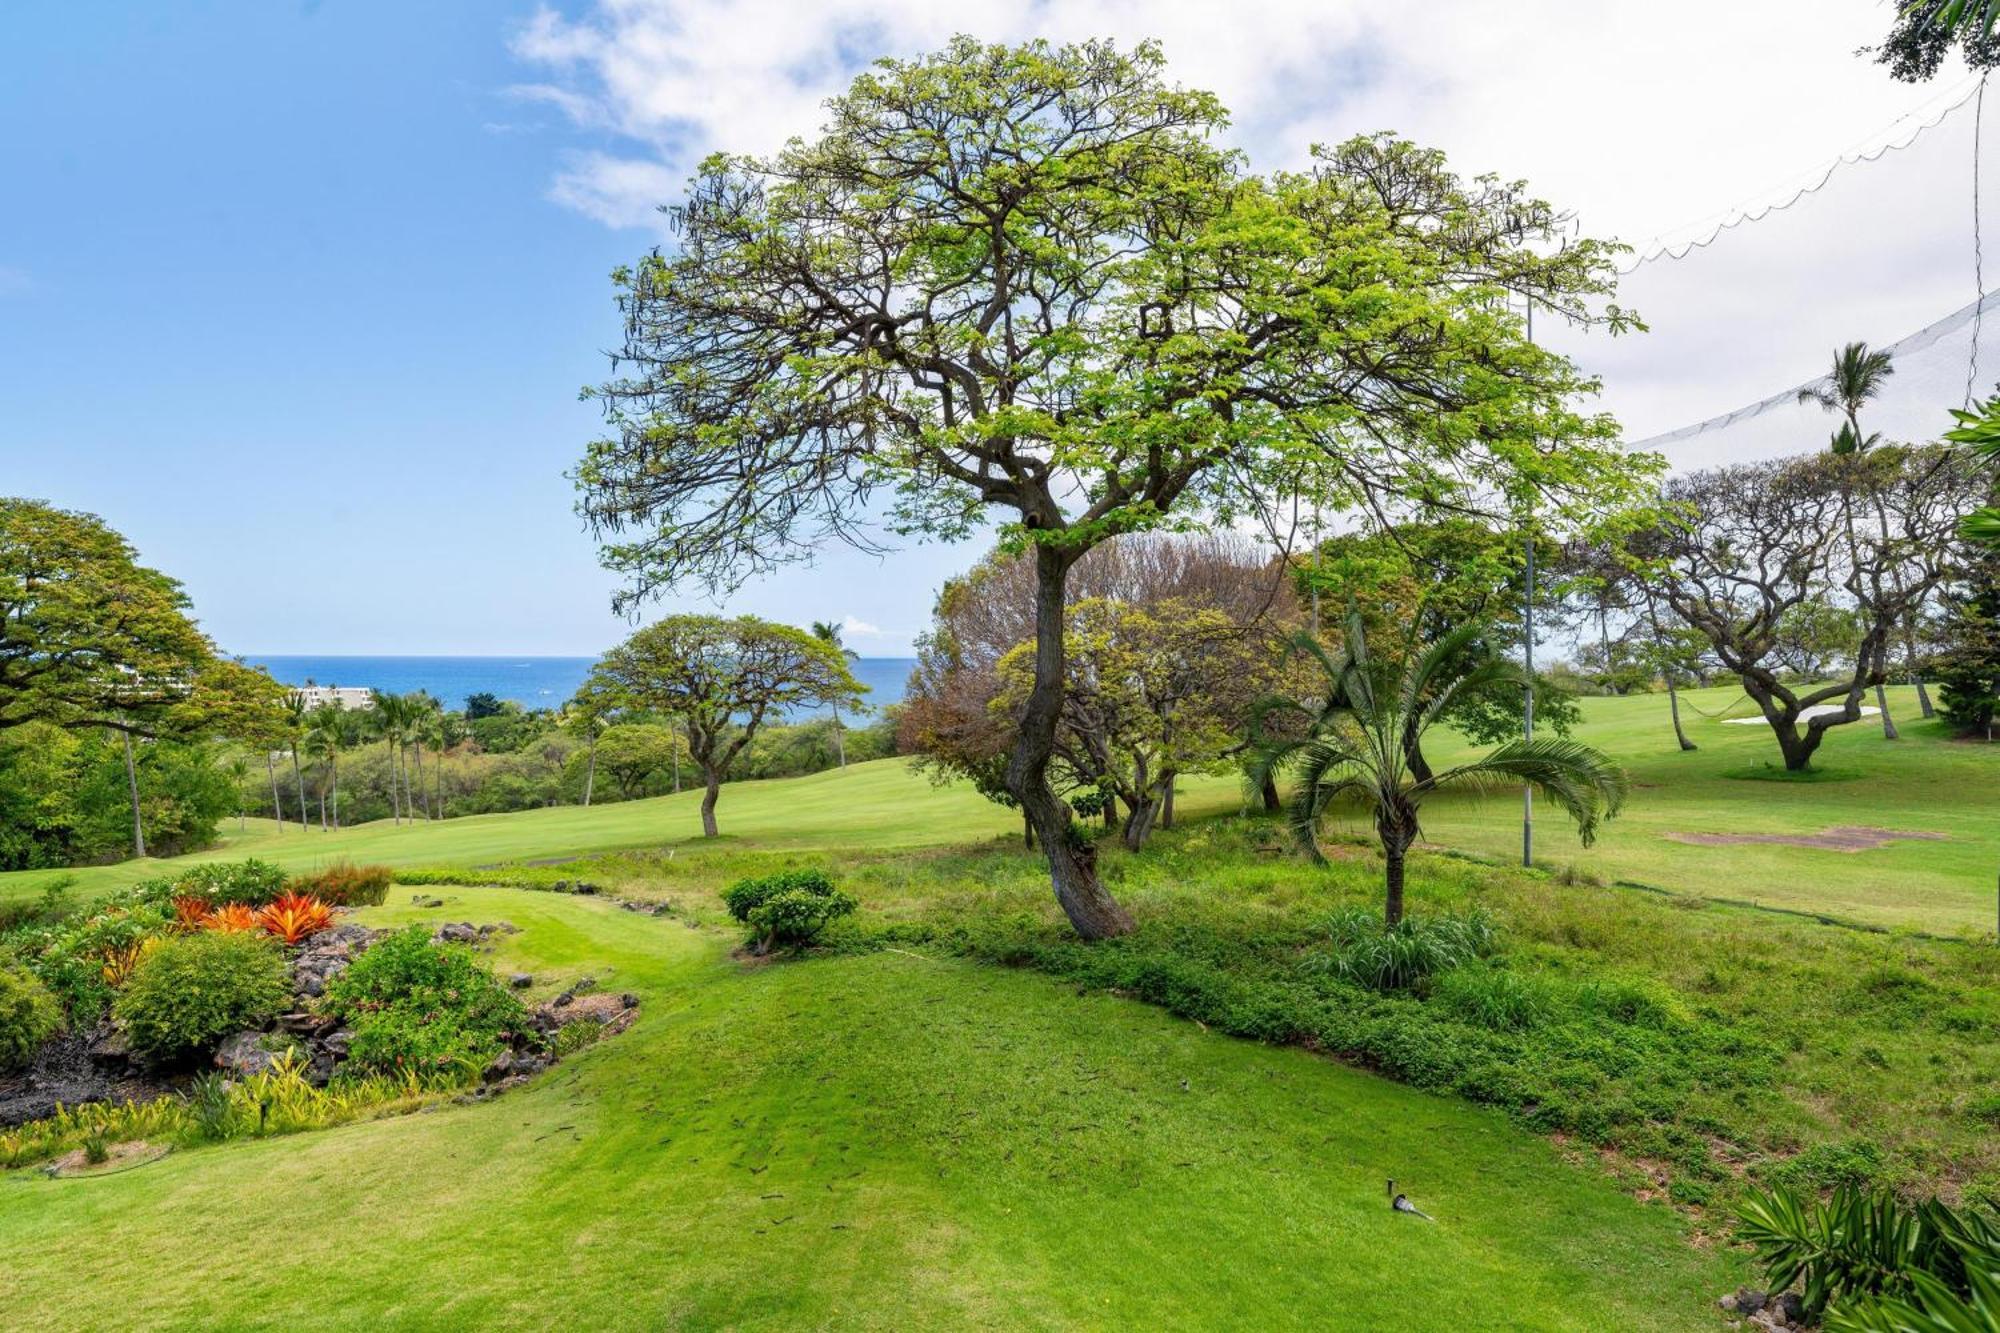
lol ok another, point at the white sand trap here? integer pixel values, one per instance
(1805, 715)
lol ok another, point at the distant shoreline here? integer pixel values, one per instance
(529, 680)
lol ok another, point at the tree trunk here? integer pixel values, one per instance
(1270, 794)
(132, 783)
(1392, 874)
(590, 772)
(1924, 704)
(277, 808)
(1889, 732)
(712, 789)
(299, 777)
(1167, 799)
(1674, 706)
(333, 776)
(423, 793)
(1093, 912)
(839, 738)
(1027, 831)
(390, 752)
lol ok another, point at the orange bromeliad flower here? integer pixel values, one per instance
(294, 916)
(230, 917)
(190, 913)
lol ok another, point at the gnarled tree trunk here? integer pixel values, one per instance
(1674, 707)
(1094, 913)
(132, 782)
(711, 790)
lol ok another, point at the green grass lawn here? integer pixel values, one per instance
(880, 1140)
(1924, 782)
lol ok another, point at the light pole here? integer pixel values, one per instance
(1528, 661)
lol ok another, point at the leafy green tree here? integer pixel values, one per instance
(89, 637)
(633, 752)
(323, 740)
(1352, 748)
(724, 679)
(482, 704)
(1029, 283)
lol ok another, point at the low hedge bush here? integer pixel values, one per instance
(417, 1006)
(29, 1015)
(190, 992)
(789, 908)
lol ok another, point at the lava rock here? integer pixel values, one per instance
(1792, 1306)
(520, 980)
(1749, 1300)
(244, 1054)
(458, 932)
(498, 1068)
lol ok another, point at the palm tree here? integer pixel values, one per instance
(1857, 376)
(295, 727)
(323, 743)
(239, 773)
(392, 715)
(423, 712)
(1354, 746)
(828, 632)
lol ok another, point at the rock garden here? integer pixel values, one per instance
(231, 1000)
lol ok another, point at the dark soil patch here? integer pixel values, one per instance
(1842, 838)
(65, 1074)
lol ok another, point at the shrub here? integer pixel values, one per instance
(251, 882)
(344, 884)
(790, 908)
(293, 917)
(192, 991)
(29, 1016)
(1403, 956)
(746, 895)
(421, 1007)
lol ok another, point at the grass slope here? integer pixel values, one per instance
(860, 1142)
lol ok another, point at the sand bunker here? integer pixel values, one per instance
(1805, 715)
(1845, 838)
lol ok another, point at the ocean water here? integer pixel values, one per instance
(533, 682)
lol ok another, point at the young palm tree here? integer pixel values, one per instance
(1355, 746)
(1858, 375)
(295, 730)
(828, 632)
(239, 773)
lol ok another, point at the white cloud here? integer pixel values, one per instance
(1641, 120)
(859, 628)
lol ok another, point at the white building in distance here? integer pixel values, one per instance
(340, 696)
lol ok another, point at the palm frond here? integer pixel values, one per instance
(1588, 786)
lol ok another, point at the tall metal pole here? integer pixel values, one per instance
(1528, 659)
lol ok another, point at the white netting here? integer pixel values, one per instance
(1882, 254)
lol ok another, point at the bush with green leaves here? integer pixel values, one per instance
(190, 992)
(249, 881)
(789, 908)
(29, 1015)
(1872, 1263)
(71, 955)
(417, 1006)
(1402, 956)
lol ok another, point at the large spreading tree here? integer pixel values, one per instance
(724, 679)
(1029, 284)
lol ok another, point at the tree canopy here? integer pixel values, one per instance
(1028, 280)
(724, 678)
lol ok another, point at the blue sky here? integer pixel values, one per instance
(283, 298)
(299, 295)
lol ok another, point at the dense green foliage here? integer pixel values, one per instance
(1874, 1264)
(423, 1007)
(64, 799)
(789, 908)
(188, 993)
(29, 1015)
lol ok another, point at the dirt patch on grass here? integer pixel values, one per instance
(1841, 838)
